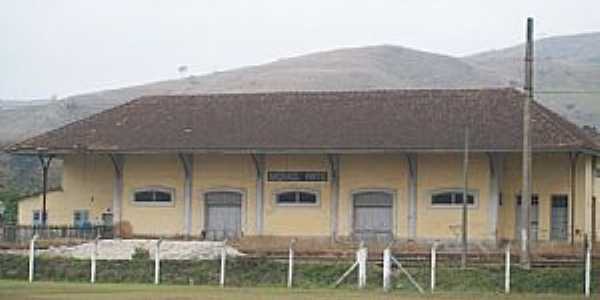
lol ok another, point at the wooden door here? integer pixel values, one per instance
(223, 215)
(373, 216)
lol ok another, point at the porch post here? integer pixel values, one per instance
(187, 160)
(496, 173)
(45, 161)
(118, 161)
(573, 197)
(589, 193)
(334, 166)
(412, 195)
(259, 163)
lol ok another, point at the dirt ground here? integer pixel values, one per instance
(324, 248)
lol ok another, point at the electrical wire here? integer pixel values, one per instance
(592, 92)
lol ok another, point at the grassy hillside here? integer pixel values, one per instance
(568, 63)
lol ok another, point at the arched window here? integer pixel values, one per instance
(297, 197)
(452, 198)
(154, 196)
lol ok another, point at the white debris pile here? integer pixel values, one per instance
(124, 249)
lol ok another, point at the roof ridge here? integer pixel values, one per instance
(333, 91)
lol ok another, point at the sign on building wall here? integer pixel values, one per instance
(297, 176)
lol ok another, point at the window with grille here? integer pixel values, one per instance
(36, 218)
(297, 197)
(154, 196)
(452, 198)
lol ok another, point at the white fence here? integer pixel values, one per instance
(391, 267)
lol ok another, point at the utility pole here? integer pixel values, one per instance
(526, 191)
(45, 161)
(465, 202)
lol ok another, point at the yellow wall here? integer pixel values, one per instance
(364, 172)
(230, 172)
(550, 177)
(29, 204)
(297, 220)
(153, 170)
(439, 171)
(88, 183)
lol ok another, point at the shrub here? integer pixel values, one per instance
(140, 254)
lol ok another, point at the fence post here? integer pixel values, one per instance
(507, 269)
(433, 261)
(93, 258)
(223, 258)
(361, 257)
(157, 262)
(346, 274)
(32, 257)
(588, 268)
(291, 264)
(387, 269)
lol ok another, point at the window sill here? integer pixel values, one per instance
(470, 207)
(315, 205)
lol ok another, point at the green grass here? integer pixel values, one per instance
(20, 290)
(265, 273)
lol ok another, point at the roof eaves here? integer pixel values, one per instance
(333, 150)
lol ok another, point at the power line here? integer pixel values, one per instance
(592, 92)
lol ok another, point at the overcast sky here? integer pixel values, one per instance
(68, 47)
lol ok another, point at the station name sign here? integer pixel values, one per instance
(297, 176)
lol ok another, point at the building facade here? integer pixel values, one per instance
(315, 166)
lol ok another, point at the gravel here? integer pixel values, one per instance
(123, 249)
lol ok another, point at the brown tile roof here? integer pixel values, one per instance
(393, 120)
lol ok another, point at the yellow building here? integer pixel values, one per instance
(348, 165)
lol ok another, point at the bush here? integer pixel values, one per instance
(9, 198)
(140, 254)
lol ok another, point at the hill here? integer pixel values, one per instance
(563, 65)
(568, 63)
(344, 69)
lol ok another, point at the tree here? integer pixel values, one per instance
(3, 173)
(182, 70)
(10, 201)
